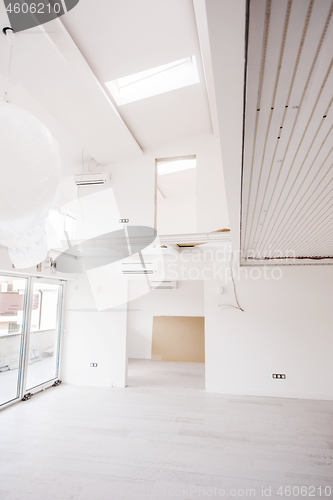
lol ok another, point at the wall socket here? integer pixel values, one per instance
(279, 375)
(123, 221)
(93, 365)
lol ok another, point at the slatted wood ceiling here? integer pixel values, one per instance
(287, 182)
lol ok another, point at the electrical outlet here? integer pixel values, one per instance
(279, 375)
(93, 365)
(123, 221)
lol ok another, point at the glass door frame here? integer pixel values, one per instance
(25, 323)
(25, 333)
(59, 324)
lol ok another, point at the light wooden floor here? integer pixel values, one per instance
(44, 369)
(162, 437)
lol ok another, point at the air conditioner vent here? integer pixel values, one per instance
(134, 268)
(164, 285)
(93, 179)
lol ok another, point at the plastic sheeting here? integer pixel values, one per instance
(32, 248)
(30, 177)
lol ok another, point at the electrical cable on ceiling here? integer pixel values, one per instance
(9, 32)
(97, 164)
(78, 188)
(238, 306)
(6, 96)
(82, 174)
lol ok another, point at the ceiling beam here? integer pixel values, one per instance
(54, 43)
(204, 41)
(226, 26)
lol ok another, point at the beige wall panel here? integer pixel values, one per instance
(179, 338)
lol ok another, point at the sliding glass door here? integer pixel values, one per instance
(13, 315)
(44, 334)
(30, 334)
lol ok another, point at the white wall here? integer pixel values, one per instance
(177, 202)
(287, 324)
(92, 336)
(187, 300)
(133, 186)
(100, 337)
(286, 328)
(133, 183)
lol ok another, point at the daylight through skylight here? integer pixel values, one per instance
(154, 81)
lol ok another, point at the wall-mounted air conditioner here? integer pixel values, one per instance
(92, 179)
(164, 285)
(135, 268)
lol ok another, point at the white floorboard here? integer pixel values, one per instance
(162, 437)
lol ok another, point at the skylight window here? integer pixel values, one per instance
(154, 81)
(170, 166)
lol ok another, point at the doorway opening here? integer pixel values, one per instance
(166, 337)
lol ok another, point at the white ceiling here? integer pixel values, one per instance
(48, 68)
(59, 69)
(123, 37)
(288, 155)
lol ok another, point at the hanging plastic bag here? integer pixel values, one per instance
(30, 177)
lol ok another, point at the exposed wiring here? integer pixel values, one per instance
(8, 74)
(238, 306)
(82, 174)
(10, 41)
(97, 164)
(234, 284)
(78, 188)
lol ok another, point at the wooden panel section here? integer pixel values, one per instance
(179, 338)
(287, 171)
